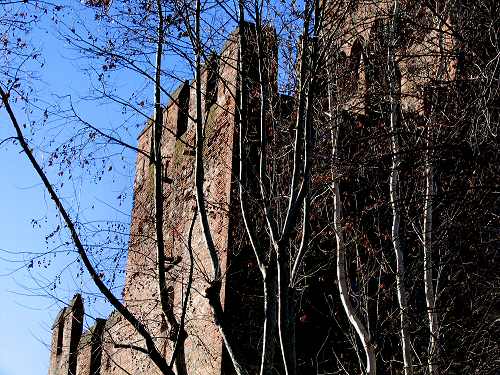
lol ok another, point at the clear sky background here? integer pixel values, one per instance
(27, 313)
(24, 320)
(26, 316)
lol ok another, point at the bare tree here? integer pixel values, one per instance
(394, 189)
(349, 173)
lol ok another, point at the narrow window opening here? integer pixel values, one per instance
(96, 353)
(183, 110)
(60, 331)
(165, 177)
(211, 90)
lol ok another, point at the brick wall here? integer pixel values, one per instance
(203, 347)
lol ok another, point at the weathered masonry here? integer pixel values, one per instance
(435, 84)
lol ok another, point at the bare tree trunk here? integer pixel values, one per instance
(395, 196)
(428, 283)
(298, 198)
(362, 332)
(285, 331)
(213, 291)
(270, 316)
(360, 329)
(430, 294)
(179, 349)
(199, 168)
(163, 289)
(267, 268)
(270, 275)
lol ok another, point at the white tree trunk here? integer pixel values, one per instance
(430, 293)
(212, 293)
(428, 284)
(362, 332)
(395, 196)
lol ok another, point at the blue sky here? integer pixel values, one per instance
(24, 321)
(25, 318)
(27, 312)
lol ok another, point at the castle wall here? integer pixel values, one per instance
(424, 54)
(359, 58)
(203, 347)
